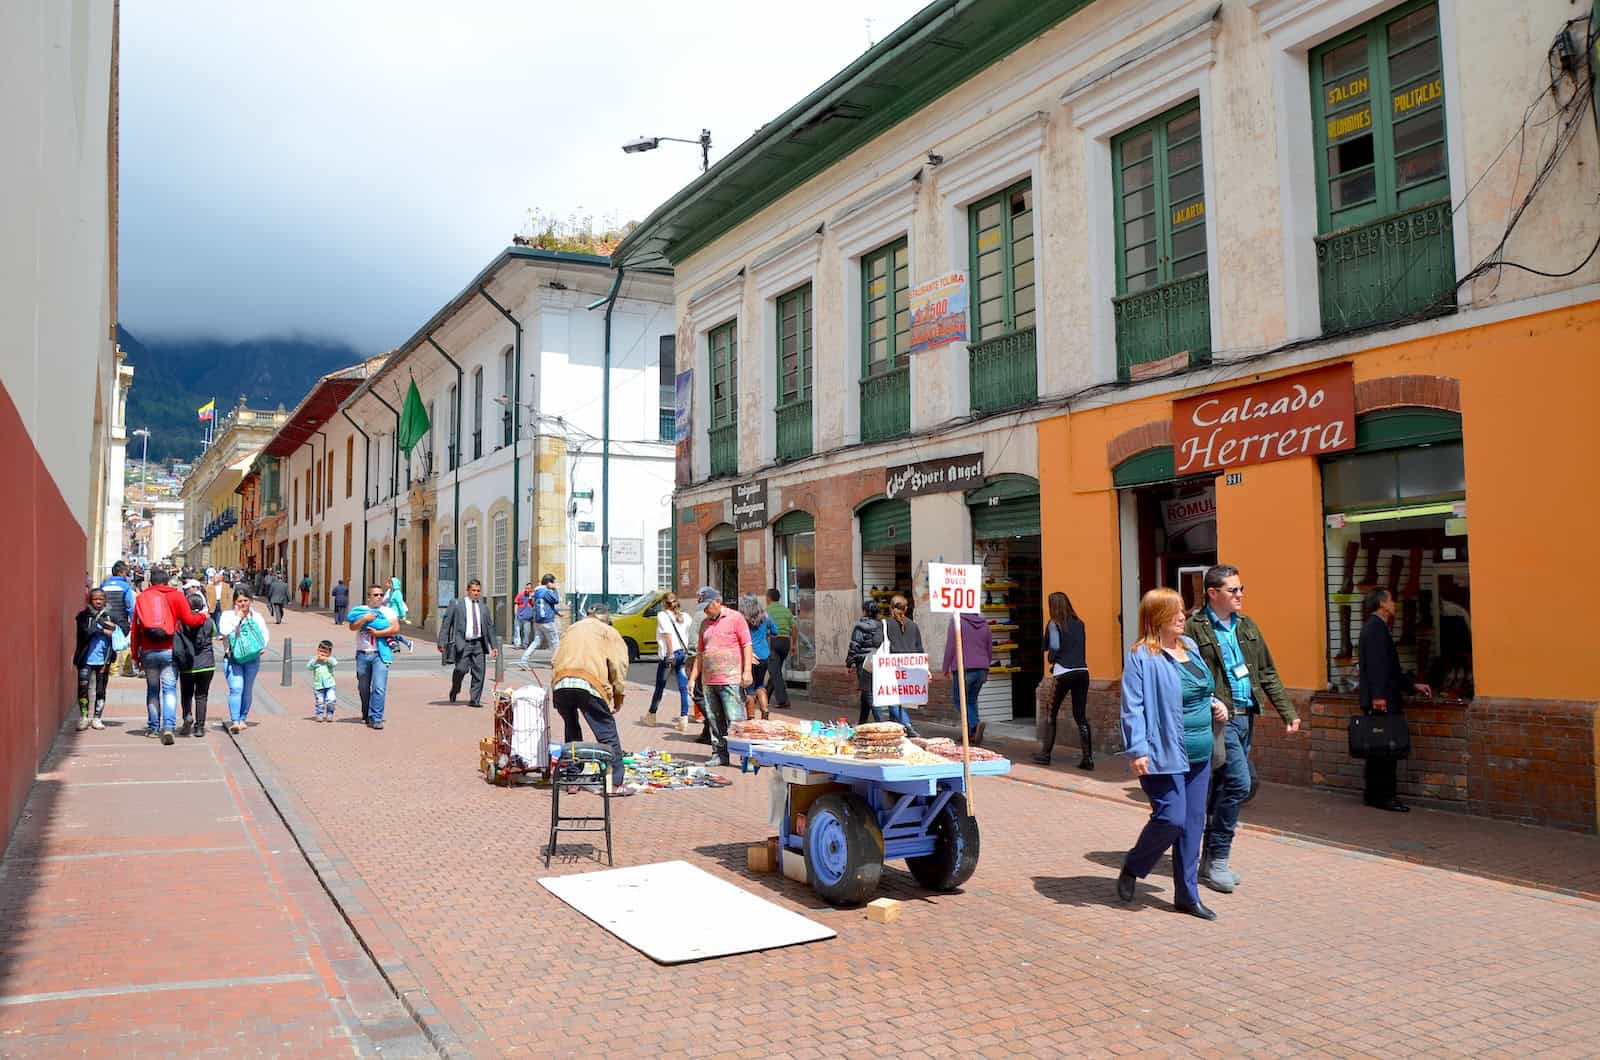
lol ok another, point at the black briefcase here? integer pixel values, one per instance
(1379, 736)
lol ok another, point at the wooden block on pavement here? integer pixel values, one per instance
(883, 910)
(759, 859)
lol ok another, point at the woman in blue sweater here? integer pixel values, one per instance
(1167, 714)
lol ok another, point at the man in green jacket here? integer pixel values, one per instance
(1245, 674)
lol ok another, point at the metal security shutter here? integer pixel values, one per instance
(1400, 428)
(721, 537)
(794, 523)
(885, 525)
(1006, 507)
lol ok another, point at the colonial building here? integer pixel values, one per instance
(1097, 294)
(518, 373)
(212, 534)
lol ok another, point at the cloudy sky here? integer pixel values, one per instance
(343, 167)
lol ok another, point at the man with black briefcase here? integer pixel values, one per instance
(1383, 686)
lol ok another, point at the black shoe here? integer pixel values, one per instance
(1394, 806)
(453, 696)
(1198, 909)
(704, 737)
(474, 703)
(1086, 762)
(1040, 759)
(186, 727)
(1126, 882)
(199, 731)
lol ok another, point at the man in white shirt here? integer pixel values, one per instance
(467, 638)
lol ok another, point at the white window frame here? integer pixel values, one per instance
(1293, 28)
(865, 225)
(1133, 92)
(664, 558)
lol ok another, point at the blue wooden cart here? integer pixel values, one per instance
(858, 814)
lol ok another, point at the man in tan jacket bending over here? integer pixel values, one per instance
(590, 673)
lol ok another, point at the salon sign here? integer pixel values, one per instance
(1277, 419)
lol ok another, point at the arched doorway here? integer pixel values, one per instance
(885, 549)
(722, 562)
(794, 541)
(1006, 543)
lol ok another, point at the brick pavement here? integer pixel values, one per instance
(156, 906)
(1034, 956)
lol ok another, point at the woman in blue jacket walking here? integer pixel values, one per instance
(1167, 715)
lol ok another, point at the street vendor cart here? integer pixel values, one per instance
(846, 816)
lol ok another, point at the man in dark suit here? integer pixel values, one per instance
(1384, 686)
(466, 638)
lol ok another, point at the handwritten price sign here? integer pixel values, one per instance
(954, 587)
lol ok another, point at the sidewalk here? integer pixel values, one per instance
(155, 905)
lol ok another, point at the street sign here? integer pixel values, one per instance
(954, 587)
(583, 495)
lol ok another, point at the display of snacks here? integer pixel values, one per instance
(950, 751)
(880, 728)
(812, 745)
(759, 729)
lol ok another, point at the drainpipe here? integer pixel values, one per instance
(327, 484)
(394, 481)
(605, 448)
(366, 474)
(455, 534)
(516, 443)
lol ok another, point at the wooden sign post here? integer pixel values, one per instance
(956, 588)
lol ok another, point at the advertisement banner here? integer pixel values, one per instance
(954, 587)
(1307, 414)
(683, 402)
(939, 312)
(900, 680)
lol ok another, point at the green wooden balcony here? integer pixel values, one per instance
(886, 404)
(1391, 269)
(1004, 372)
(794, 429)
(725, 449)
(1163, 328)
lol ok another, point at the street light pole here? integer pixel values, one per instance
(144, 474)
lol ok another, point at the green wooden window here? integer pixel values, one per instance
(1001, 233)
(1377, 100)
(1160, 200)
(794, 346)
(724, 343)
(885, 309)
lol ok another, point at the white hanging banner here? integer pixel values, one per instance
(900, 679)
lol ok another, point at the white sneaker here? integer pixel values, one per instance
(97, 724)
(83, 723)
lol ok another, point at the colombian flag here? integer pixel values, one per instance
(209, 409)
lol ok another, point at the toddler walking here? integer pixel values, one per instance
(324, 694)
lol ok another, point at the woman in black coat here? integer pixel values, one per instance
(93, 657)
(194, 655)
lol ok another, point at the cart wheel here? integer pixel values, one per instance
(844, 849)
(955, 849)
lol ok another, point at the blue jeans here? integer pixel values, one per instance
(975, 680)
(241, 687)
(1232, 787)
(372, 681)
(724, 706)
(1177, 822)
(662, 667)
(524, 632)
(160, 690)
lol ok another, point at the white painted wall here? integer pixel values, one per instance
(56, 273)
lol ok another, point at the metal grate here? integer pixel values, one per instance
(1004, 371)
(886, 404)
(1162, 322)
(1396, 267)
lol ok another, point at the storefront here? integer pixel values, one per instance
(794, 546)
(886, 567)
(1395, 514)
(1168, 528)
(1006, 542)
(722, 562)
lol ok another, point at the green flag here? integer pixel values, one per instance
(413, 420)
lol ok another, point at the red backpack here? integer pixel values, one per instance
(151, 612)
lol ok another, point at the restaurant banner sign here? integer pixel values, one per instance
(939, 312)
(1307, 414)
(934, 476)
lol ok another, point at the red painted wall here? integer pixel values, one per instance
(42, 550)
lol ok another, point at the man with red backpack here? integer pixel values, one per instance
(157, 613)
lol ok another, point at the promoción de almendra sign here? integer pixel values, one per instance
(900, 679)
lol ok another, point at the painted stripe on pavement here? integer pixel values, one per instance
(153, 988)
(137, 783)
(170, 851)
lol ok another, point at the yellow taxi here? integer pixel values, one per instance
(636, 621)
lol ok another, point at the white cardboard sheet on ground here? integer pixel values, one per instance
(643, 906)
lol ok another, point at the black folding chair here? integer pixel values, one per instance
(585, 766)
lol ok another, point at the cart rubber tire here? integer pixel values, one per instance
(633, 649)
(955, 849)
(844, 849)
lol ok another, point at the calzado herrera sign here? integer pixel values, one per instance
(1297, 415)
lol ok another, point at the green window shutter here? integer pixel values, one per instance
(885, 309)
(1400, 428)
(1000, 232)
(1006, 507)
(1141, 469)
(1377, 105)
(794, 346)
(794, 523)
(1004, 488)
(885, 525)
(1158, 178)
(724, 342)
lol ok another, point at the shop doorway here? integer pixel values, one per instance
(424, 569)
(722, 562)
(886, 551)
(1168, 531)
(794, 541)
(1006, 542)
